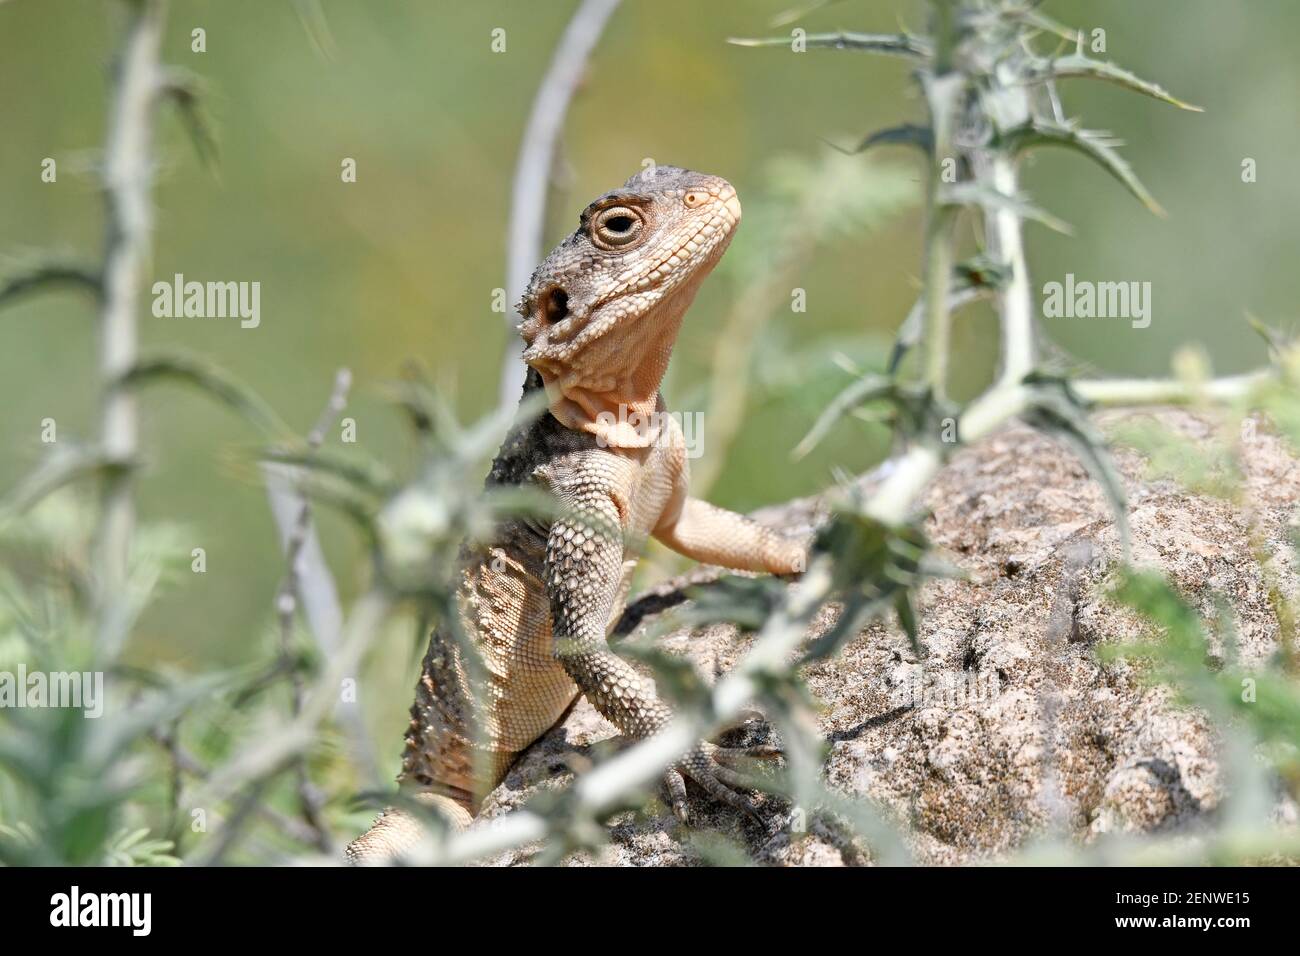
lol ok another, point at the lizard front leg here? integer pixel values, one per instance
(713, 535)
(584, 562)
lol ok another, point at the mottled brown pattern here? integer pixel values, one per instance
(601, 315)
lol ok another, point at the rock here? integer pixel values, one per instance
(1018, 727)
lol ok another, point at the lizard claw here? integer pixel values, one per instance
(718, 780)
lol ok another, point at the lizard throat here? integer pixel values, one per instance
(610, 388)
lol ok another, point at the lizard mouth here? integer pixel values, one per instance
(733, 207)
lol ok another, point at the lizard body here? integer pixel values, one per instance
(601, 314)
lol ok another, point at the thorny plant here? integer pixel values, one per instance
(73, 790)
(988, 72)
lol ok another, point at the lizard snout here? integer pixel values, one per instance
(733, 205)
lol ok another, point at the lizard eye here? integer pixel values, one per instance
(616, 226)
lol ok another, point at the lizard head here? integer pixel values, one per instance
(602, 311)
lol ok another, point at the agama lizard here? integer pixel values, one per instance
(601, 315)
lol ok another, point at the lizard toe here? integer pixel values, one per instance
(718, 781)
(676, 784)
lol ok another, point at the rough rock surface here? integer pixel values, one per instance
(1017, 727)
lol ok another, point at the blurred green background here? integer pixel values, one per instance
(402, 264)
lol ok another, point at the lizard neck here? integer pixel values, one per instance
(611, 389)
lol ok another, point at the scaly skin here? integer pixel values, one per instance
(601, 315)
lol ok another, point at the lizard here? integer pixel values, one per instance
(600, 315)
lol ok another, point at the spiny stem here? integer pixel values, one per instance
(309, 798)
(1009, 106)
(938, 246)
(1005, 239)
(942, 87)
(944, 28)
(895, 497)
(893, 501)
(127, 174)
(1142, 391)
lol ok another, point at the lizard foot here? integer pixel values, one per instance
(707, 766)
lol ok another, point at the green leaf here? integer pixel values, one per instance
(49, 277)
(908, 134)
(855, 615)
(974, 279)
(1182, 660)
(789, 16)
(59, 469)
(716, 849)
(211, 380)
(978, 194)
(892, 44)
(112, 738)
(1151, 595)
(1273, 338)
(906, 612)
(1078, 65)
(869, 388)
(1056, 410)
(364, 476)
(909, 333)
(871, 823)
(130, 848)
(1280, 400)
(811, 200)
(1045, 23)
(872, 561)
(1203, 466)
(184, 91)
(744, 602)
(1097, 145)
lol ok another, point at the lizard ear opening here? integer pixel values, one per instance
(555, 304)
